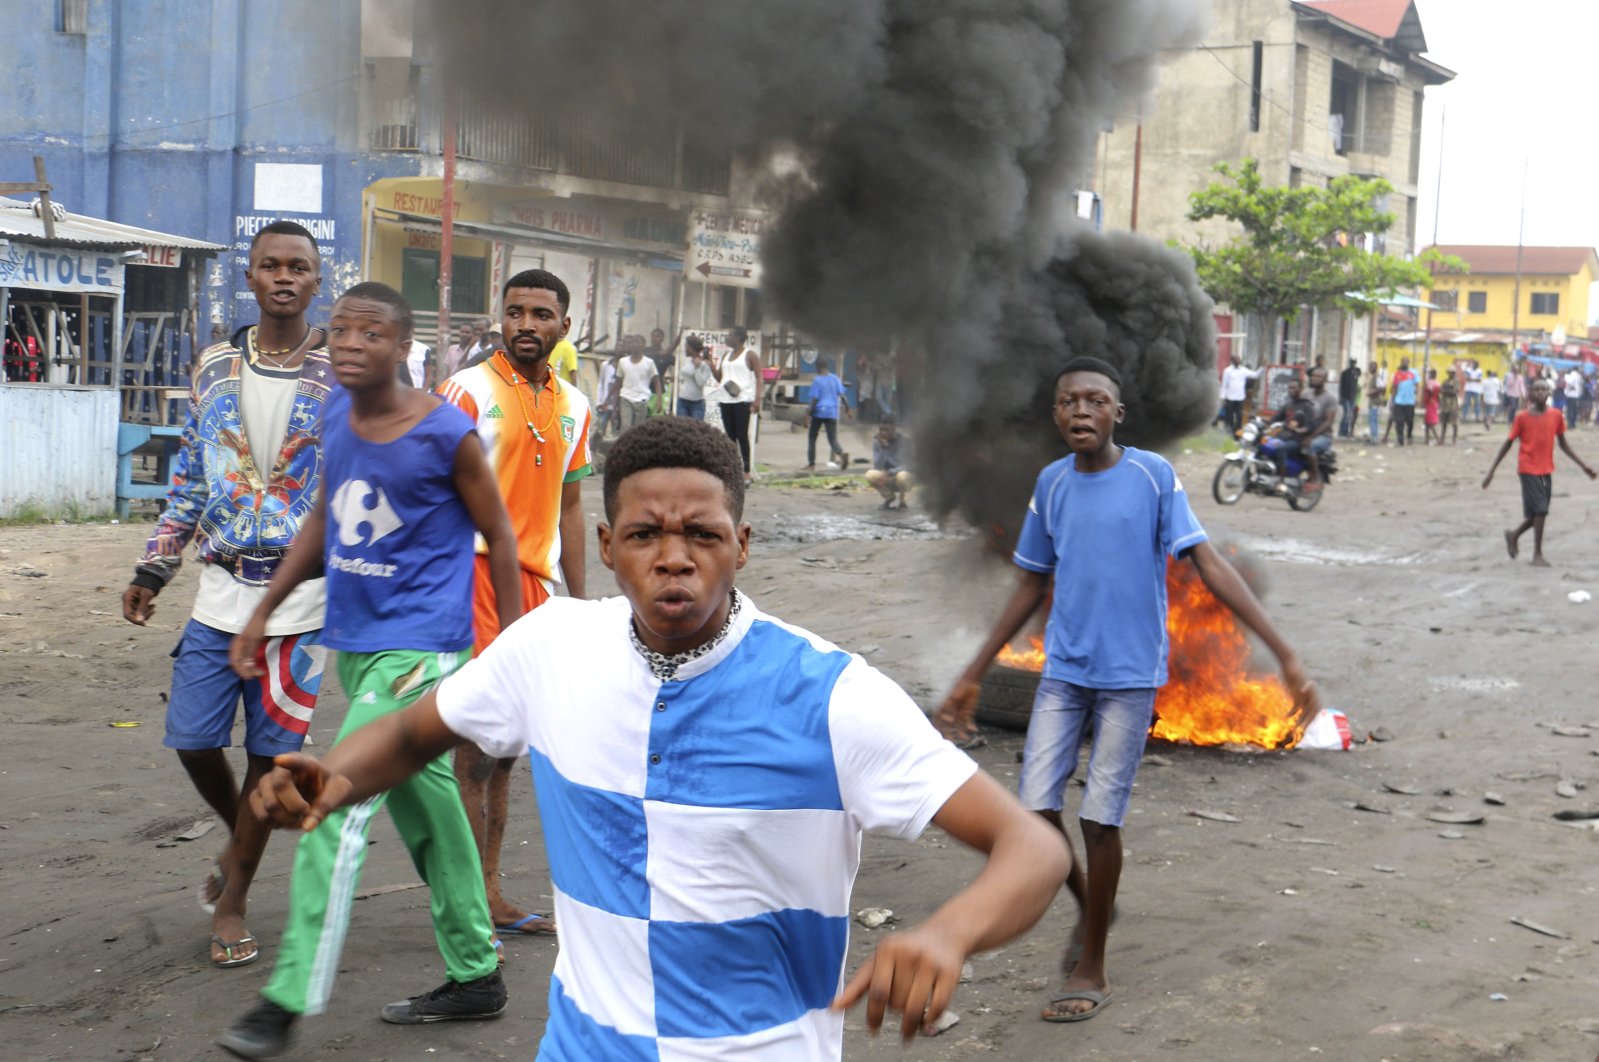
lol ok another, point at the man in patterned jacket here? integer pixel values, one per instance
(246, 478)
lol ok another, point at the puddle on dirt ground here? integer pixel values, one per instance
(1298, 551)
(841, 527)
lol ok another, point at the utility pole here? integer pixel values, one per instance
(1138, 169)
(1521, 232)
(447, 230)
(1437, 202)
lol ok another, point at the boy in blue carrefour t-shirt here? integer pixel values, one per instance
(1101, 523)
(405, 486)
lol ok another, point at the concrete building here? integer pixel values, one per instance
(210, 120)
(1312, 90)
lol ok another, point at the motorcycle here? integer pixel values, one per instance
(1259, 466)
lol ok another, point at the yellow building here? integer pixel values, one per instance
(1554, 286)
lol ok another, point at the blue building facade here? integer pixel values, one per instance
(201, 119)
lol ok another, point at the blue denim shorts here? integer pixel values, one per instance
(206, 692)
(1062, 712)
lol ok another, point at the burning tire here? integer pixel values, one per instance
(1007, 700)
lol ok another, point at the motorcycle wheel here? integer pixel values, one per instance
(1229, 484)
(1301, 502)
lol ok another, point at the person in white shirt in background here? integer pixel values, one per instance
(1491, 387)
(1235, 381)
(1572, 385)
(416, 362)
(637, 379)
(1471, 403)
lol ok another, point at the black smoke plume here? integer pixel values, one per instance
(930, 150)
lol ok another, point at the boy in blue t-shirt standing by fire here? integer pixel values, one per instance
(1101, 524)
(406, 485)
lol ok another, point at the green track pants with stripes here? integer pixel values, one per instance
(432, 822)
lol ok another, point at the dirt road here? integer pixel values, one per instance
(1310, 928)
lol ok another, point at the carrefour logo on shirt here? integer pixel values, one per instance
(351, 514)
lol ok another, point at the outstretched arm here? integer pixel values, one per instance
(954, 716)
(1500, 456)
(1565, 448)
(916, 972)
(300, 791)
(1230, 589)
(474, 481)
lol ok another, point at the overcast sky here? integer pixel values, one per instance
(1523, 91)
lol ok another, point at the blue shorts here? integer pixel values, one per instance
(1061, 713)
(206, 692)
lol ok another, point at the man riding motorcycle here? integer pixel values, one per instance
(1305, 424)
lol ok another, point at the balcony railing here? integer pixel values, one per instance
(601, 147)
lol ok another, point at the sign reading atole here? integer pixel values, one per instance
(47, 268)
(724, 249)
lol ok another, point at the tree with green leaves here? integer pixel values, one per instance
(1301, 247)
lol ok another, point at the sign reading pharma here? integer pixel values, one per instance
(49, 268)
(724, 248)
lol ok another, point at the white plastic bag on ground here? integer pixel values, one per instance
(1329, 730)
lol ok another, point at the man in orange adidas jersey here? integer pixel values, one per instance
(535, 428)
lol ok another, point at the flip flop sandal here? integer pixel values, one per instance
(1099, 1000)
(227, 949)
(533, 925)
(209, 906)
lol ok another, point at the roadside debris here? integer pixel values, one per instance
(874, 917)
(1527, 923)
(1213, 816)
(1457, 818)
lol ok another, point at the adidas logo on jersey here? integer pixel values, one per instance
(495, 413)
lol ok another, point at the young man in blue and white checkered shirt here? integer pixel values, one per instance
(704, 773)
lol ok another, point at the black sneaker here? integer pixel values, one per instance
(477, 1000)
(262, 1033)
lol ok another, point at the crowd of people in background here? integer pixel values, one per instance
(1446, 397)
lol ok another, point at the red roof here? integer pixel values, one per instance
(1382, 17)
(1497, 260)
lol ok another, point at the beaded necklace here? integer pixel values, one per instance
(256, 354)
(521, 401)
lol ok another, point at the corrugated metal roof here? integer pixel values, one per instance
(17, 222)
(1500, 259)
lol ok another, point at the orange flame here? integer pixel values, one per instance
(1212, 696)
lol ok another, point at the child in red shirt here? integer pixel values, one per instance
(1537, 427)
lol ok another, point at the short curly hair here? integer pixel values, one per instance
(675, 442)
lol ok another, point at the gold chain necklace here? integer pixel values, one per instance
(521, 401)
(256, 353)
